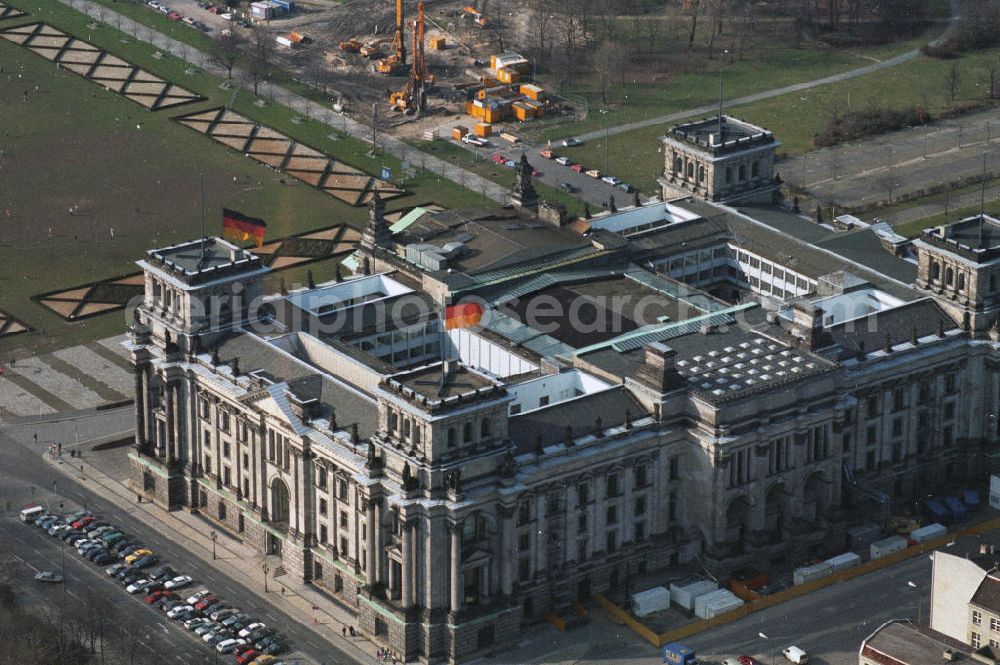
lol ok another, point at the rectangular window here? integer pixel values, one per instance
(977, 618)
(225, 422)
(342, 489)
(640, 475)
(225, 449)
(640, 531)
(343, 519)
(994, 624)
(872, 405)
(898, 399)
(675, 467)
(524, 512)
(246, 488)
(611, 542)
(949, 411)
(322, 534)
(246, 461)
(321, 477)
(524, 569)
(322, 506)
(581, 550)
(343, 547)
(611, 485)
(872, 435)
(897, 427)
(205, 408)
(612, 515)
(672, 507)
(949, 383)
(640, 506)
(976, 640)
(581, 523)
(582, 494)
(225, 476)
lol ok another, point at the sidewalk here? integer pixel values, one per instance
(295, 102)
(192, 533)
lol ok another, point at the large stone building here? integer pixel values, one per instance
(720, 159)
(666, 382)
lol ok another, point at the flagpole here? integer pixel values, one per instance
(201, 198)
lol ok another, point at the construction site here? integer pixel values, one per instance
(420, 66)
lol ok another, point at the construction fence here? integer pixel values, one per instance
(622, 616)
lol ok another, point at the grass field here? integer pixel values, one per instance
(795, 118)
(71, 143)
(912, 229)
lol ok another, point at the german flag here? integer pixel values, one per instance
(239, 228)
(464, 315)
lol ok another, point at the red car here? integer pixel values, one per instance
(247, 656)
(83, 521)
(577, 167)
(160, 593)
(206, 601)
(748, 660)
(174, 16)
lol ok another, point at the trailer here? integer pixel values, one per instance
(936, 512)
(886, 546)
(842, 561)
(649, 601)
(676, 653)
(929, 532)
(702, 603)
(971, 500)
(684, 595)
(956, 507)
(811, 573)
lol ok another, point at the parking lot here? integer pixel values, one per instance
(174, 601)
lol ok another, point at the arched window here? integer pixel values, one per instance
(743, 172)
(729, 174)
(416, 434)
(755, 168)
(467, 433)
(935, 270)
(484, 428)
(701, 174)
(406, 428)
(690, 170)
(393, 421)
(961, 281)
(451, 436)
(678, 165)
(949, 276)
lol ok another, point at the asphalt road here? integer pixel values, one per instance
(905, 161)
(33, 550)
(25, 477)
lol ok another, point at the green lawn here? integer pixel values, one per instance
(795, 118)
(73, 143)
(912, 229)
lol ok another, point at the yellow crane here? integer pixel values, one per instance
(397, 59)
(413, 96)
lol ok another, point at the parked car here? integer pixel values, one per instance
(572, 142)
(472, 139)
(93, 526)
(593, 173)
(136, 586)
(144, 561)
(48, 576)
(275, 647)
(103, 558)
(156, 594)
(188, 20)
(578, 168)
(191, 624)
(56, 529)
(611, 180)
(137, 554)
(213, 637)
(264, 659)
(198, 596)
(178, 582)
(174, 16)
(795, 655)
(565, 161)
(227, 646)
(566, 187)
(174, 611)
(205, 628)
(748, 660)
(113, 570)
(239, 618)
(247, 656)
(625, 187)
(251, 628)
(206, 601)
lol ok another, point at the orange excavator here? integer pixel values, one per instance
(396, 60)
(413, 97)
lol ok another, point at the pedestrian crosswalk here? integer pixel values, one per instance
(78, 377)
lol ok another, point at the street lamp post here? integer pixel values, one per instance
(770, 643)
(214, 537)
(266, 570)
(604, 112)
(914, 586)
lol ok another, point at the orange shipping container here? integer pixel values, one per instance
(509, 76)
(458, 132)
(438, 43)
(483, 129)
(533, 91)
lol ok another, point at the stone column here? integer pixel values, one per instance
(376, 538)
(507, 559)
(140, 407)
(408, 566)
(456, 567)
(169, 396)
(175, 398)
(370, 561)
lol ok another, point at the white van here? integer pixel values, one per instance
(796, 655)
(31, 513)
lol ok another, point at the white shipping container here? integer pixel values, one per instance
(995, 492)
(685, 595)
(881, 548)
(929, 532)
(810, 573)
(845, 560)
(702, 602)
(652, 600)
(723, 606)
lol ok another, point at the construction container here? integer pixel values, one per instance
(495, 114)
(929, 532)
(522, 112)
(685, 594)
(532, 91)
(483, 129)
(512, 61)
(886, 546)
(508, 76)
(842, 561)
(703, 602)
(285, 41)
(652, 600)
(860, 537)
(722, 605)
(261, 10)
(811, 573)
(431, 134)
(438, 43)
(458, 131)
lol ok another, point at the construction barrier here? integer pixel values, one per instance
(555, 620)
(762, 602)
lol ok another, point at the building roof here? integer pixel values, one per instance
(976, 238)
(203, 260)
(922, 318)
(548, 425)
(735, 135)
(987, 596)
(904, 643)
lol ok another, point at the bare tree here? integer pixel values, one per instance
(992, 69)
(259, 50)
(692, 7)
(609, 60)
(227, 50)
(951, 80)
